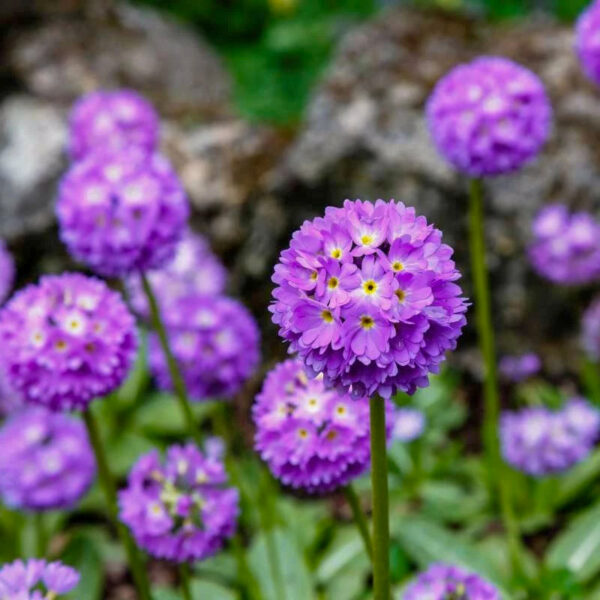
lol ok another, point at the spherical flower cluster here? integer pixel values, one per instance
(182, 509)
(46, 460)
(110, 121)
(519, 368)
(587, 41)
(194, 270)
(10, 399)
(366, 296)
(122, 212)
(539, 441)
(7, 271)
(67, 340)
(489, 116)
(566, 247)
(36, 580)
(215, 340)
(408, 424)
(447, 582)
(312, 438)
(590, 330)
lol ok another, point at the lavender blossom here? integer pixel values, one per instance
(540, 442)
(180, 509)
(566, 246)
(216, 343)
(122, 212)
(36, 579)
(111, 121)
(367, 296)
(447, 582)
(66, 340)
(519, 368)
(408, 424)
(590, 330)
(587, 41)
(7, 272)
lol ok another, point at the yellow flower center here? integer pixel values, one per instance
(367, 322)
(366, 239)
(341, 410)
(327, 316)
(61, 345)
(397, 266)
(369, 287)
(302, 433)
(313, 276)
(336, 253)
(331, 435)
(333, 283)
(401, 295)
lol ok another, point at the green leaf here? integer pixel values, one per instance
(580, 477)
(125, 450)
(578, 547)
(83, 554)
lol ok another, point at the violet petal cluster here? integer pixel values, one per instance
(111, 121)
(540, 442)
(590, 330)
(448, 582)
(311, 437)
(566, 246)
(194, 270)
(36, 579)
(46, 460)
(122, 212)
(489, 116)
(7, 272)
(367, 296)
(66, 340)
(408, 424)
(215, 341)
(519, 368)
(180, 509)
(587, 41)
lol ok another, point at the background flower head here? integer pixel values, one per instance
(587, 41)
(408, 424)
(590, 330)
(517, 368)
(36, 579)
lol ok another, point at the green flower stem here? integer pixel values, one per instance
(359, 518)
(176, 376)
(381, 519)
(185, 580)
(41, 537)
(110, 493)
(483, 313)
(591, 378)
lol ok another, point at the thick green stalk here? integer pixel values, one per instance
(359, 518)
(41, 537)
(381, 519)
(110, 493)
(176, 376)
(185, 580)
(485, 331)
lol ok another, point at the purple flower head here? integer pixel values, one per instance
(311, 437)
(540, 442)
(194, 270)
(489, 116)
(66, 340)
(216, 342)
(7, 272)
(122, 212)
(179, 509)
(111, 121)
(10, 399)
(566, 246)
(408, 424)
(590, 330)
(587, 41)
(447, 582)
(519, 368)
(36, 579)
(384, 317)
(46, 460)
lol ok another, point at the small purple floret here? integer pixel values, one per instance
(36, 579)
(590, 330)
(519, 368)
(408, 424)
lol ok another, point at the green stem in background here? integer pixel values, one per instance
(483, 314)
(381, 518)
(110, 493)
(176, 376)
(591, 379)
(41, 538)
(185, 580)
(359, 518)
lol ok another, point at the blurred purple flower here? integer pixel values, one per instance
(311, 437)
(122, 212)
(489, 116)
(590, 330)
(566, 246)
(66, 340)
(194, 270)
(366, 296)
(540, 442)
(587, 41)
(36, 579)
(46, 460)
(7, 272)
(216, 343)
(180, 509)
(519, 368)
(408, 424)
(110, 121)
(447, 582)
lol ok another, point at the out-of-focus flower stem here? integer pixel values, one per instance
(359, 518)
(184, 579)
(379, 483)
(41, 537)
